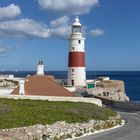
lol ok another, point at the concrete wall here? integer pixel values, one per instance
(54, 98)
(71, 89)
(5, 91)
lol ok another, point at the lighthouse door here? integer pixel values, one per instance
(72, 82)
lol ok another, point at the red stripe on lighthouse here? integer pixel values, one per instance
(76, 59)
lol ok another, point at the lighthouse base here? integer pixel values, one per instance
(76, 76)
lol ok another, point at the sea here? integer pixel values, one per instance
(130, 78)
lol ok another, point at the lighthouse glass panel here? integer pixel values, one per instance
(76, 29)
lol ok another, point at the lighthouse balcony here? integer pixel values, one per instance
(77, 35)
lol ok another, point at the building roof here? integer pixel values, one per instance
(43, 86)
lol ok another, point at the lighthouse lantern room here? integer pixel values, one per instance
(76, 62)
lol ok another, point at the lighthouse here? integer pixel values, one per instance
(76, 60)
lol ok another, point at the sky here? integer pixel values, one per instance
(33, 30)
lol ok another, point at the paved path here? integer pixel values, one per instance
(131, 131)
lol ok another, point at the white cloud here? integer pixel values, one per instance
(72, 7)
(60, 27)
(64, 20)
(61, 32)
(28, 28)
(9, 12)
(23, 28)
(97, 32)
(5, 49)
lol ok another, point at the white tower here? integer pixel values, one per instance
(21, 87)
(40, 68)
(76, 64)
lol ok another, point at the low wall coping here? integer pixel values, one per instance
(55, 98)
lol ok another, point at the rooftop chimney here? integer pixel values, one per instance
(21, 87)
(40, 68)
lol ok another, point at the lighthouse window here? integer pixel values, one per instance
(73, 48)
(72, 70)
(79, 41)
(72, 82)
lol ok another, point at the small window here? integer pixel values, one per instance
(72, 70)
(72, 48)
(79, 41)
(72, 82)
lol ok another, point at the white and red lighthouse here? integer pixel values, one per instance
(76, 62)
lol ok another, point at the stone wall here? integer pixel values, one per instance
(57, 131)
(56, 98)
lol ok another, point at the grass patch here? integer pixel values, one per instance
(18, 113)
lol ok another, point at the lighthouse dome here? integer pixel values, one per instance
(76, 22)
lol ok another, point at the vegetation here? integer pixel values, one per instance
(17, 113)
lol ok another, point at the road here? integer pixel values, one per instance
(130, 131)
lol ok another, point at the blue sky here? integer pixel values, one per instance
(33, 30)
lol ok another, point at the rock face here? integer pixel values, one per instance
(110, 89)
(6, 83)
(58, 130)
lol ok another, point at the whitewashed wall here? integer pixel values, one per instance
(55, 98)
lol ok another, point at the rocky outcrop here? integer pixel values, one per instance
(110, 89)
(112, 84)
(58, 130)
(6, 83)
